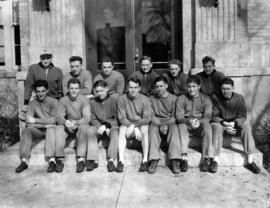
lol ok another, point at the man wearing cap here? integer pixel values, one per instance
(77, 71)
(44, 70)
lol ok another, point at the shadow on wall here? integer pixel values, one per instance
(41, 5)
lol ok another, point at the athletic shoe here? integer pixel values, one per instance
(91, 165)
(175, 166)
(59, 166)
(183, 165)
(111, 166)
(153, 166)
(213, 166)
(80, 167)
(253, 168)
(51, 167)
(120, 167)
(143, 167)
(21, 167)
(205, 165)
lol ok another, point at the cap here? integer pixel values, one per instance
(46, 53)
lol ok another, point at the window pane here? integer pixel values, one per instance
(156, 31)
(2, 56)
(110, 27)
(1, 16)
(1, 35)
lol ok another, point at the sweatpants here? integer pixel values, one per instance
(172, 138)
(92, 149)
(204, 131)
(81, 140)
(31, 133)
(244, 131)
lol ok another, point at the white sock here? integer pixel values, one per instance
(81, 159)
(52, 159)
(25, 160)
(216, 158)
(250, 158)
(184, 157)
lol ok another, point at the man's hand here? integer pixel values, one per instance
(33, 96)
(108, 131)
(101, 129)
(30, 119)
(194, 123)
(70, 124)
(163, 129)
(230, 130)
(130, 130)
(138, 133)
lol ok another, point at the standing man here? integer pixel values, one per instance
(40, 123)
(229, 116)
(146, 75)
(114, 79)
(104, 123)
(193, 114)
(134, 114)
(73, 117)
(44, 70)
(163, 126)
(176, 78)
(77, 71)
(210, 77)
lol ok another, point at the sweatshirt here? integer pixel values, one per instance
(176, 85)
(53, 75)
(163, 110)
(115, 81)
(146, 79)
(233, 109)
(85, 78)
(78, 110)
(188, 107)
(210, 84)
(104, 111)
(135, 111)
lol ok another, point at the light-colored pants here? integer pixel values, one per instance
(172, 140)
(30, 133)
(245, 134)
(204, 132)
(92, 150)
(81, 140)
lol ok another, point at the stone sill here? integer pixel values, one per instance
(6, 74)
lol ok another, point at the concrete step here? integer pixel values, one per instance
(231, 156)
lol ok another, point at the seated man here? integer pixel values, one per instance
(229, 116)
(134, 114)
(177, 80)
(114, 79)
(104, 123)
(40, 122)
(146, 75)
(193, 113)
(77, 71)
(163, 125)
(73, 117)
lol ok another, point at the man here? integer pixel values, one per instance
(176, 78)
(146, 75)
(44, 70)
(229, 116)
(193, 113)
(134, 114)
(77, 71)
(163, 126)
(40, 123)
(104, 122)
(73, 117)
(114, 79)
(210, 78)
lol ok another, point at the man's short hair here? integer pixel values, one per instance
(74, 81)
(75, 58)
(194, 79)
(40, 83)
(176, 62)
(135, 80)
(161, 78)
(100, 83)
(206, 59)
(148, 58)
(227, 80)
(107, 59)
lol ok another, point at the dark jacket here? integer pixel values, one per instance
(176, 85)
(233, 109)
(210, 84)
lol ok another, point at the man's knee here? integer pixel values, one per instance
(144, 129)
(83, 128)
(246, 127)
(27, 131)
(217, 126)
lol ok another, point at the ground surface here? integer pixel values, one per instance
(230, 187)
